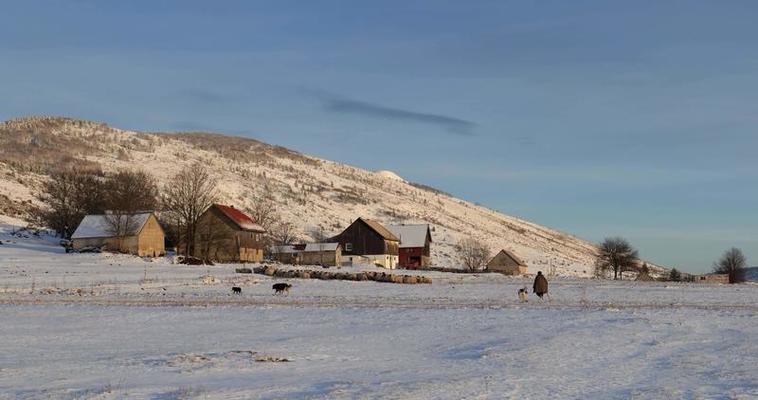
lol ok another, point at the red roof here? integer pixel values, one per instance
(241, 219)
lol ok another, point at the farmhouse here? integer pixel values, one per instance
(226, 234)
(415, 245)
(139, 234)
(325, 254)
(712, 278)
(371, 241)
(507, 263)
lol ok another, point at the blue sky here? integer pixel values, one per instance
(598, 118)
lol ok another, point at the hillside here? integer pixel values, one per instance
(310, 192)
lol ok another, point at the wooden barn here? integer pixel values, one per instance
(415, 245)
(226, 234)
(507, 263)
(139, 234)
(370, 240)
(325, 254)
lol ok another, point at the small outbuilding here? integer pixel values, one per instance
(507, 263)
(712, 278)
(324, 254)
(287, 253)
(415, 245)
(136, 233)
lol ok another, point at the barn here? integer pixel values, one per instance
(368, 240)
(507, 263)
(226, 234)
(415, 245)
(138, 233)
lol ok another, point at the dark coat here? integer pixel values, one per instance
(540, 284)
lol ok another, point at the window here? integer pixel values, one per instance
(348, 247)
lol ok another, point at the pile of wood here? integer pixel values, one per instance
(338, 275)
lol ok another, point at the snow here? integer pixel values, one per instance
(97, 226)
(389, 175)
(322, 194)
(109, 326)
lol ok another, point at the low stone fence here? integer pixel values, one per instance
(454, 270)
(345, 276)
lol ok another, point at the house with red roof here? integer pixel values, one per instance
(226, 234)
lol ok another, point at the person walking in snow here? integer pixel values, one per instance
(540, 285)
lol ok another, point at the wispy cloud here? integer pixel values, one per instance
(343, 105)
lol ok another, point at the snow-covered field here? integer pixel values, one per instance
(100, 326)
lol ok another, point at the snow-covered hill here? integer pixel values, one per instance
(310, 192)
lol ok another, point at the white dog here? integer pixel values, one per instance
(522, 294)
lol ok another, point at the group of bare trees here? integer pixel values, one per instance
(617, 255)
(70, 195)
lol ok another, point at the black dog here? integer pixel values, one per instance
(281, 288)
(237, 290)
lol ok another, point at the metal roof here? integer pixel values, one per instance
(410, 235)
(321, 246)
(380, 229)
(242, 220)
(103, 226)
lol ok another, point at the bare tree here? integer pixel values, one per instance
(617, 255)
(126, 193)
(186, 197)
(216, 241)
(472, 253)
(264, 212)
(734, 263)
(67, 197)
(120, 225)
(283, 233)
(131, 191)
(317, 234)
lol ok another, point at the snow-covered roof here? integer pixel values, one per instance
(321, 246)
(510, 254)
(102, 226)
(242, 220)
(380, 229)
(410, 235)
